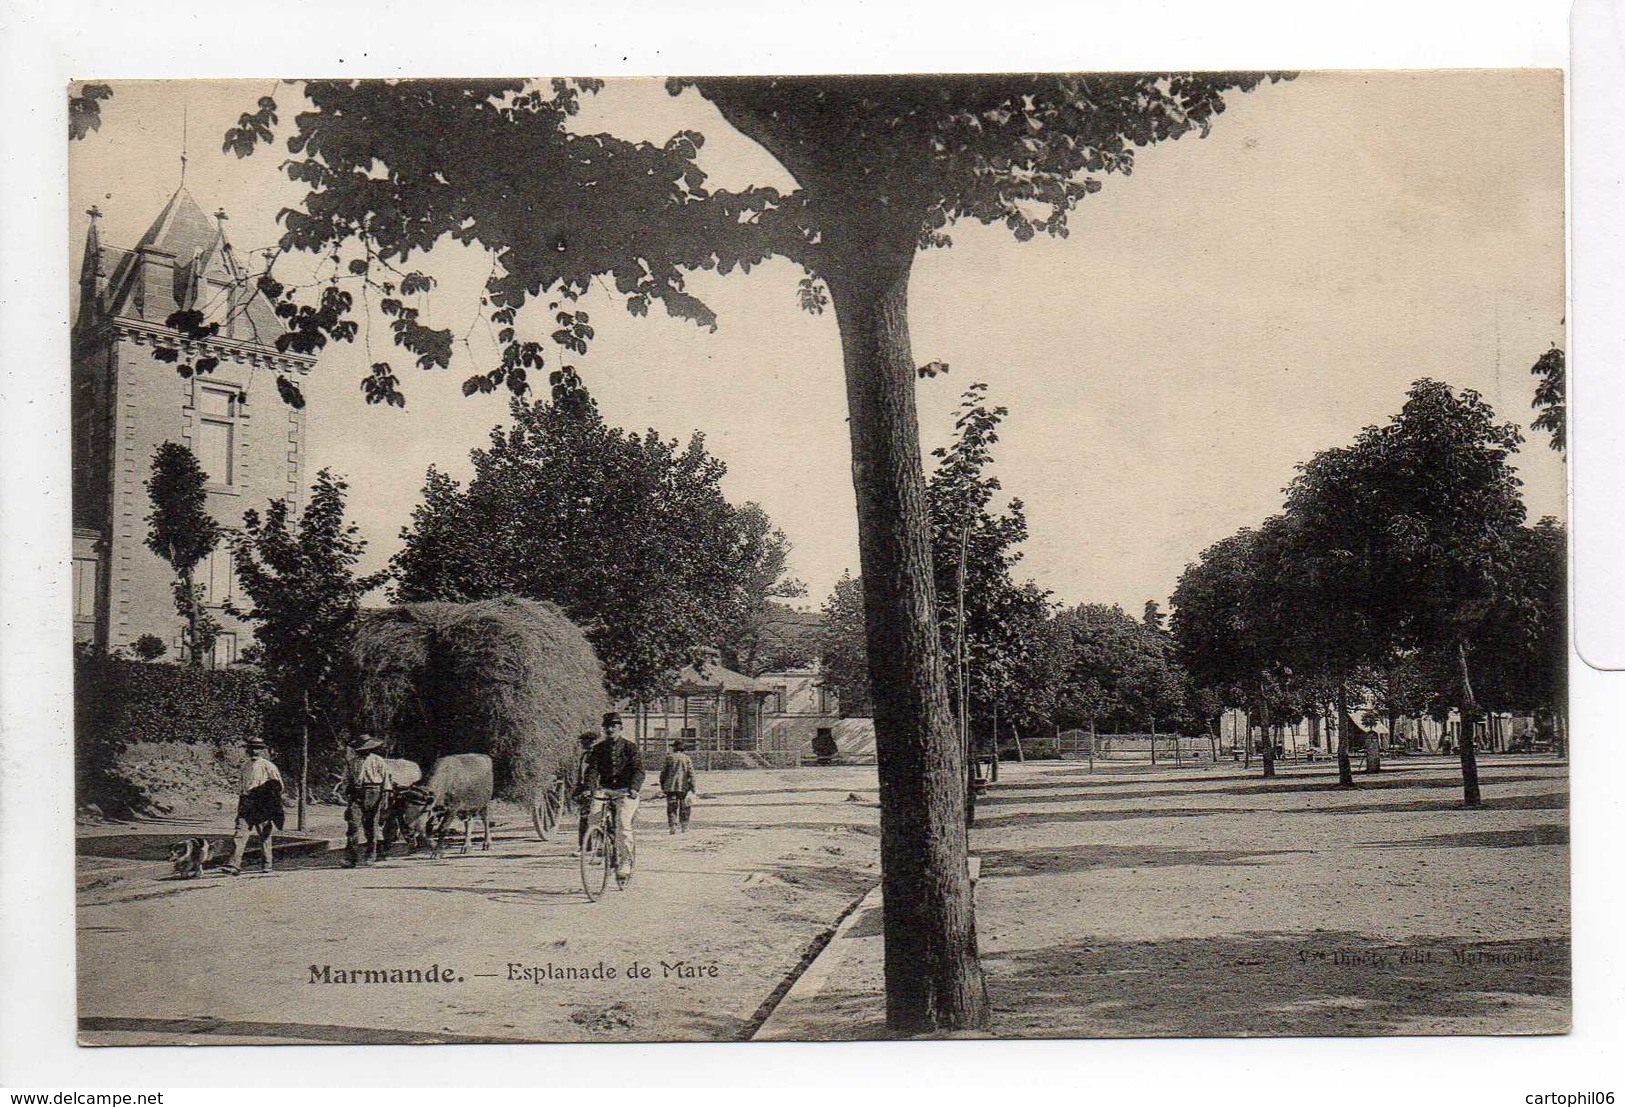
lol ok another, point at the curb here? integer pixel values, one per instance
(815, 973)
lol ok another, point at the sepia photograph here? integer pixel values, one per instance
(819, 558)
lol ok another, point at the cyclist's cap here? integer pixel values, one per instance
(586, 737)
(612, 717)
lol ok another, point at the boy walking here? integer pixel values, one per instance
(677, 781)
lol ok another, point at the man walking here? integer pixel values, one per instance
(615, 767)
(365, 780)
(259, 807)
(677, 782)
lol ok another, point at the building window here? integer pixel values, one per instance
(778, 704)
(218, 410)
(84, 588)
(219, 576)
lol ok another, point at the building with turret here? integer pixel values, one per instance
(126, 403)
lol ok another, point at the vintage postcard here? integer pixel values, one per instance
(1066, 555)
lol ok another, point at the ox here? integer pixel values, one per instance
(403, 775)
(459, 787)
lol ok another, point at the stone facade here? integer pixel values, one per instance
(126, 403)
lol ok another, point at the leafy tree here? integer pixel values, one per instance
(974, 552)
(1415, 532)
(1551, 398)
(630, 534)
(883, 166)
(1115, 671)
(182, 532)
(843, 649)
(149, 647)
(1225, 635)
(1523, 644)
(750, 644)
(300, 578)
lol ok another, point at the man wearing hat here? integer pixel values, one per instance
(259, 806)
(615, 766)
(677, 782)
(365, 780)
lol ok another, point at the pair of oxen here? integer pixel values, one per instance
(421, 812)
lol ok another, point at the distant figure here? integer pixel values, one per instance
(576, 783)
(615, 767)
(365, 781)
(259, 807)
(677, 781)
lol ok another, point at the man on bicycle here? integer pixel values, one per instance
(615, 767)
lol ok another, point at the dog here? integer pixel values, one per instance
(189, 855)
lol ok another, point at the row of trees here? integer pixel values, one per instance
(1400, 580)
(1015, 660)
(1400, 572)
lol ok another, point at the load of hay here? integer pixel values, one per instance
(510, 677)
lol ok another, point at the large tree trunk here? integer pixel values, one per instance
(1345, 772)
(1469, 717)
(933, 980)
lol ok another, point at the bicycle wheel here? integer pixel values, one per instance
(595, 863)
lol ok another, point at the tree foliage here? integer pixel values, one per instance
(183, 532)
(299, 576)
(843, 654)
(1116, 672)
(751, 644)
(1551, 397)
(630, 534)
(85, 109)
(1003, 620)
(393, 169)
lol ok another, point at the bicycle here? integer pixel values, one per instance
(548, 806)
(598, 851)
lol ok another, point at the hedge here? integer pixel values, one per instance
(118, 701)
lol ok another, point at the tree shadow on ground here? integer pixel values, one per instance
(1035, 818)
(1542, 802)
(869, 829)
(1279, 985)
(839, 790)
(1280, 786)
(1075, 859)
(1548, 834)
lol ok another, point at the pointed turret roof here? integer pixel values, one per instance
(183, 261)
(182, 229)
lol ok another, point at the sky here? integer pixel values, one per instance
(1237, 304)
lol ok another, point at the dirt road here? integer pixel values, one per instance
(714, 921)
(1208, 901)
